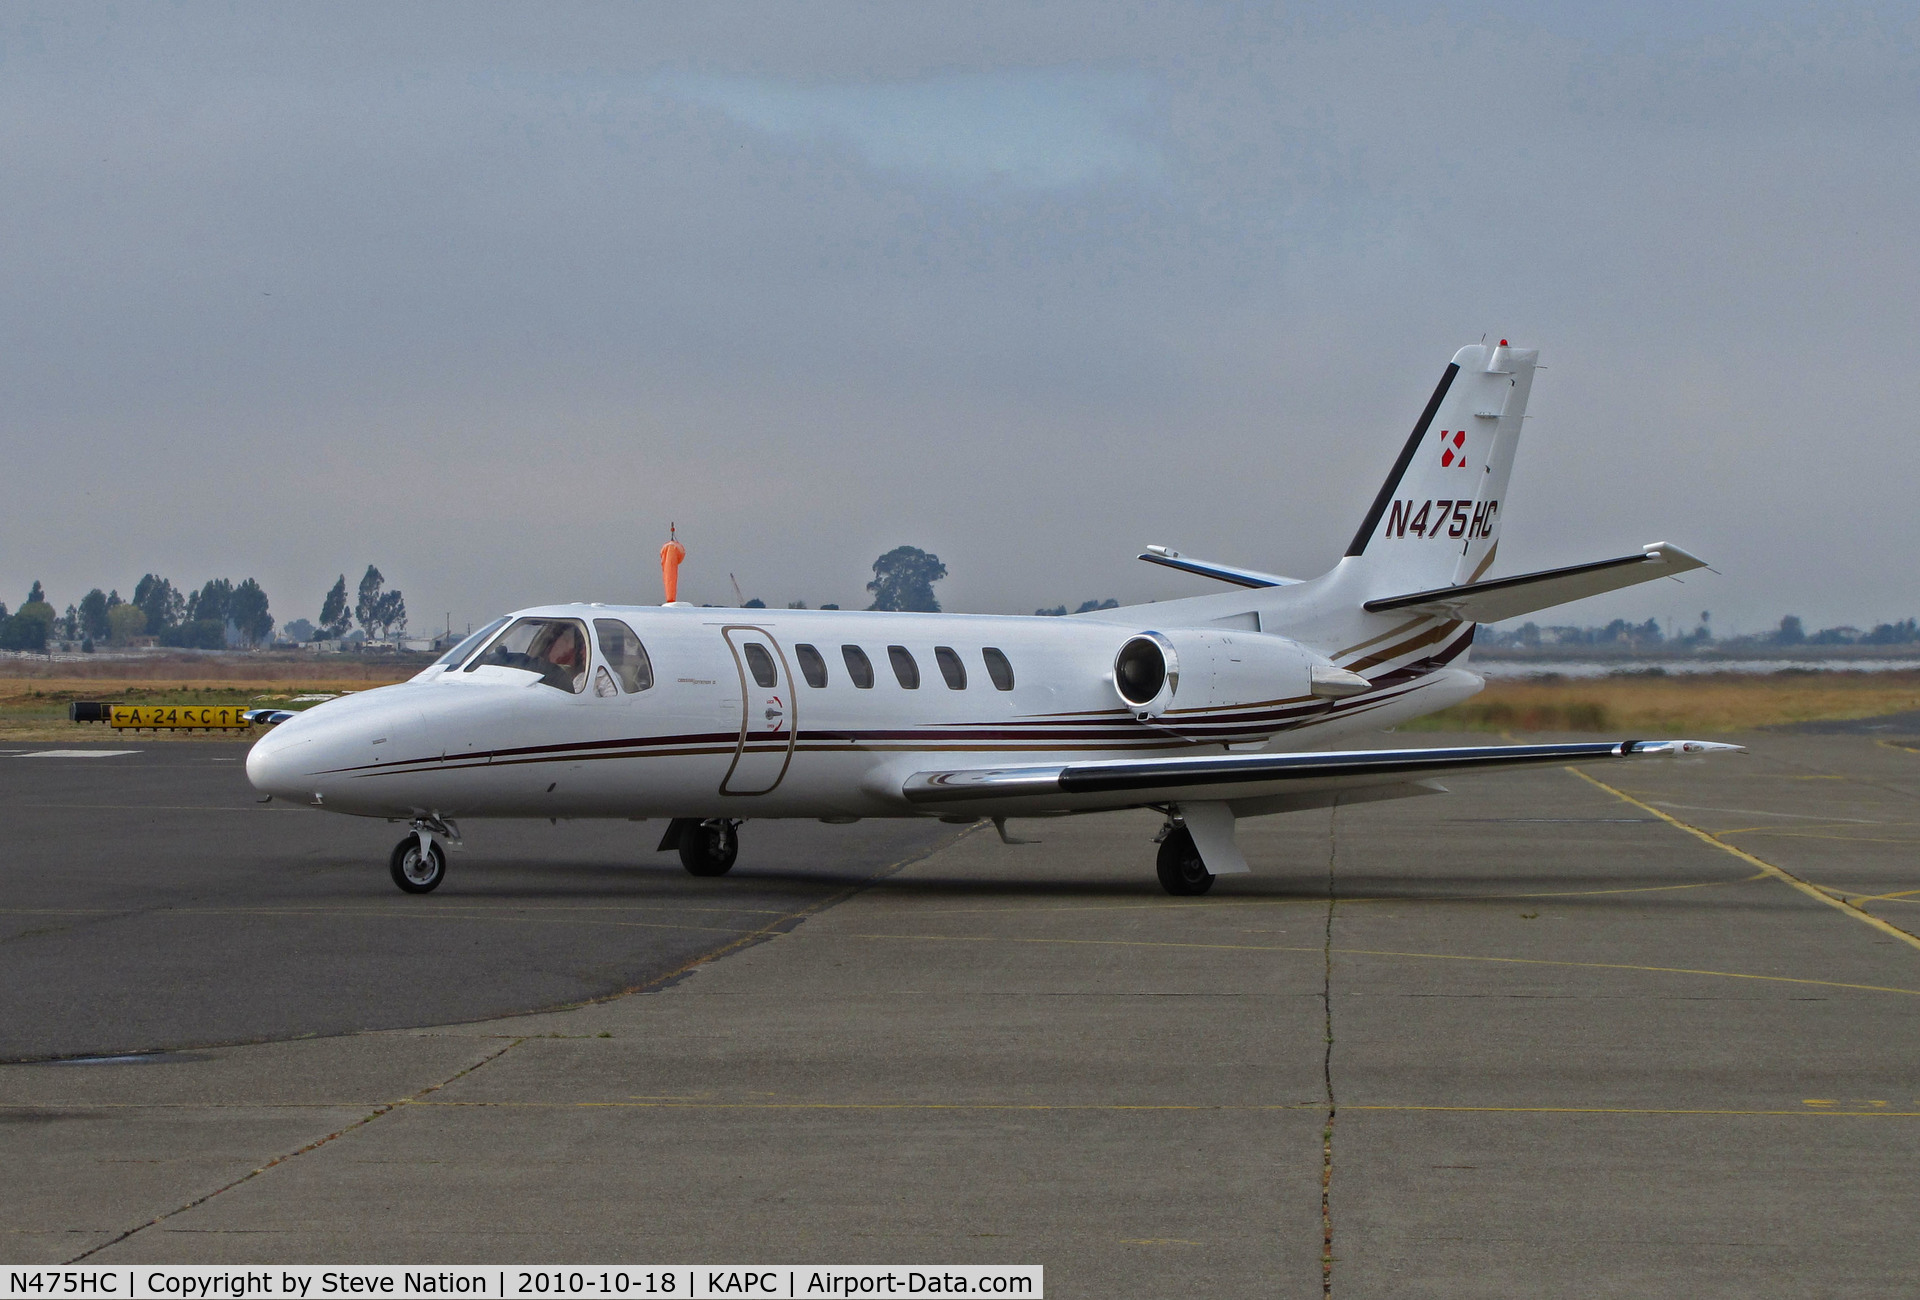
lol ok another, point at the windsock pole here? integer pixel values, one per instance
(670, 556)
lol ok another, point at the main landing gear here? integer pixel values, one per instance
(707, 847)
(1182, 873)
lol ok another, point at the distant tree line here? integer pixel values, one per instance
(214, 616)
(1793, 632)
(1620, 634)
(217, 614)
(1086, 607)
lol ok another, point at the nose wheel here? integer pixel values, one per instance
(419, 862)
(418, 868)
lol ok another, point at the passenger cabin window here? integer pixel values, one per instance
(453, 658)
(624, 655)
(859, 667)
(812, 666)
(904, 667)
(950, 667)
(555, 648)
(998, 669)
(760, 664)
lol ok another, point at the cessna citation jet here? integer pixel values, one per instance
(1207, 709)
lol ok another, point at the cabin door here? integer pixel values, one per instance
(767, 724)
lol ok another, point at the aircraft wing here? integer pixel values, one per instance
(1500, 598)
(1132, 782)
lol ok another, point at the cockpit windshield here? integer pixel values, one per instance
(555, 648)
(453, 658)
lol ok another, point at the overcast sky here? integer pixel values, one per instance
(487, 295)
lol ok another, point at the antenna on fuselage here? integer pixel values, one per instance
(670, 556)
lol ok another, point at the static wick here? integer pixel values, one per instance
(670, 556)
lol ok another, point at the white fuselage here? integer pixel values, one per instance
(708, 739)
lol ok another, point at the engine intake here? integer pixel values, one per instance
(1146, 673)
(1226, 684)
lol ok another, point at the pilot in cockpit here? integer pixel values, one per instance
(564, 650)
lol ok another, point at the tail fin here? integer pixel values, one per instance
(1436, 521)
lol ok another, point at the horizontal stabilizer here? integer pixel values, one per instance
(1172, 559)
(1501, 598)
(1120, 782)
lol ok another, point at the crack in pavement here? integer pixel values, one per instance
(1326, 1069)
(386, 1109)
(781, 925)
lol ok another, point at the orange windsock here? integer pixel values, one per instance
(670, 556)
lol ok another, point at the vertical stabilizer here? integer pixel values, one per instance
(1436, 520)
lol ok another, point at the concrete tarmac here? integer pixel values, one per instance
(152, 901)
(1649, 1032)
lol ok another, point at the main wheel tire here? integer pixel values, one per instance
(417, 872)
(709, 848)
(1182, 872)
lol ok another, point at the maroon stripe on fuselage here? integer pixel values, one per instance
(1063, 732)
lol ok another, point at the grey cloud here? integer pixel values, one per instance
(487, 297)
(1034, 127)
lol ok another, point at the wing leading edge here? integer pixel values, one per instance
(1172, 559)
(1239, 777)
(1501, 598)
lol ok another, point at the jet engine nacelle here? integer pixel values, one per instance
(1184, 674)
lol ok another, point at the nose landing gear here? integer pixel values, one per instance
(419, 862)
(416, 868)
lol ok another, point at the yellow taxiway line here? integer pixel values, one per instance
(1786, 877)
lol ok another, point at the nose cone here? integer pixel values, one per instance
(346, 755)
(274, 764)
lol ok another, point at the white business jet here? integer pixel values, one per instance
(1206, 709)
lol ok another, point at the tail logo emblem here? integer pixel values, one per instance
(1454, 445)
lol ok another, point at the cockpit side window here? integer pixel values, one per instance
(624, 654)
(453, 658)
(555, 648)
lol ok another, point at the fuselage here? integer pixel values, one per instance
(753, 713)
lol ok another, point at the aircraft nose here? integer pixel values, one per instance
(274, 766)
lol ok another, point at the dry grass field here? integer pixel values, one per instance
(33, 707)
(33, 697)
(205, 669)
(1705, 704)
